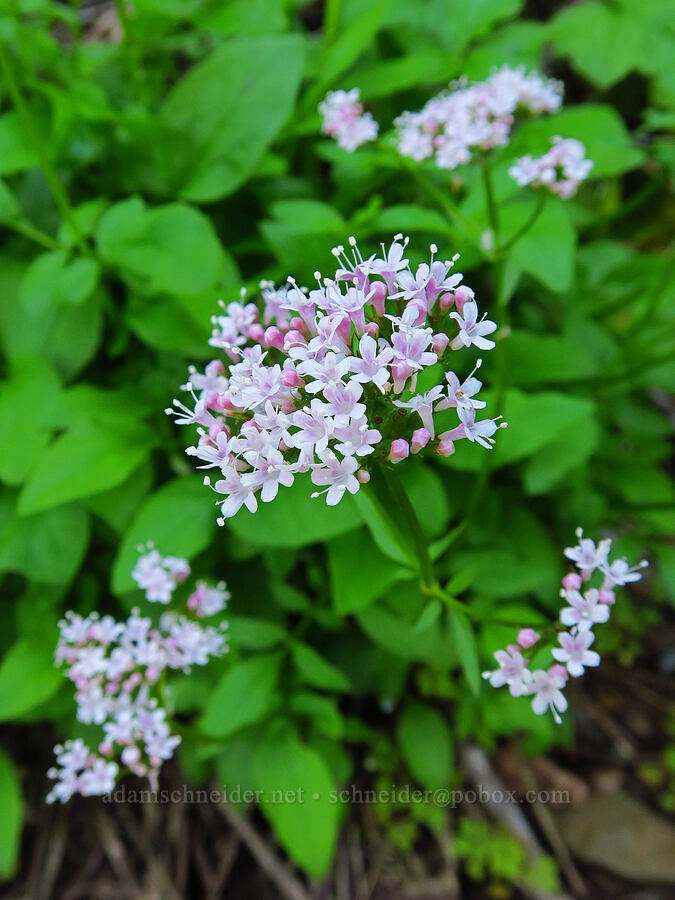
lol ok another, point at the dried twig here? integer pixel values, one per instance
(264, 855)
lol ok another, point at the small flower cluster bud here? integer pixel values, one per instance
(560, 171)
(580, 615)
(116, 667)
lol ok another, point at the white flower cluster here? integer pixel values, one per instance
(326, 381)
(560, 171)
(476, 115)
(580, 615)
(345, 120)
(115, 667)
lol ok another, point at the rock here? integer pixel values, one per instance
(622, 835)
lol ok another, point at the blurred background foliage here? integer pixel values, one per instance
(156, 154)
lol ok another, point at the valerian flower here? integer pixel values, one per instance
(344, 119)
(560, 171)
(583, 612)
(115, 668)
(324, 381)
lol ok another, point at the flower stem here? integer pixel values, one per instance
(531, 219)
(427, 575)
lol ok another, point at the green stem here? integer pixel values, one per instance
(428, 577)
(532, 218)
(493, 212)
(34, 234)
(37, 145)
(331, 17)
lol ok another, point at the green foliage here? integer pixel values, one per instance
(143, 180)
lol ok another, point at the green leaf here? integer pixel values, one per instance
(16, 154)
(429, 615)
(178, 519)
(27, 677)
(47, 547)
(295, 519)
(354, 587)
(225, 112)
(297, 799)
(322, 710)
(465, 642)
(386, 534)
(254, 634)
(603, 44)
(29, 377)
(546, 251)
(402, 639)
(38, 287)
(426, 744)
(244, 695)
(316, 670)
(535, 421)
(82, 462)
(11, 820)
(172, 248)
(571, 450)
(78, 280)
(9, 205)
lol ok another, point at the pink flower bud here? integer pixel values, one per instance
(440, 343)
(373, 329)
(274, 338)
(462, 294)
(363, 476)
(216, 429)
(420, 438)
(606, 596)
(290, 378)
(399, 450)
(298, 324)
(378, 296)
(527, 637)
(572, 581)
(446, 301)
(445, 447)
(293, 337)
(105, 748)
(256, 332)
(559, 670)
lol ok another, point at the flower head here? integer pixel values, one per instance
(330, 390)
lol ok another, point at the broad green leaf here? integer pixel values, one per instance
(38, 287)
(16, 154)
(82, 462)
(603, 43)
(12, 816)
(354, 587)
(178, 518)
(535, 421)
(402, 639)
(19, 415)
(254, 634)
(27, 677)
(571, 450)
(225, 112)
(424, 738)
(172, 248)
(298, 800)
(390, 539)
(245, 694)
(323, 712)
(547, 359)
(295, 518)
(465, 642)
(546, 251)
(316, 670)
(46, 547)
